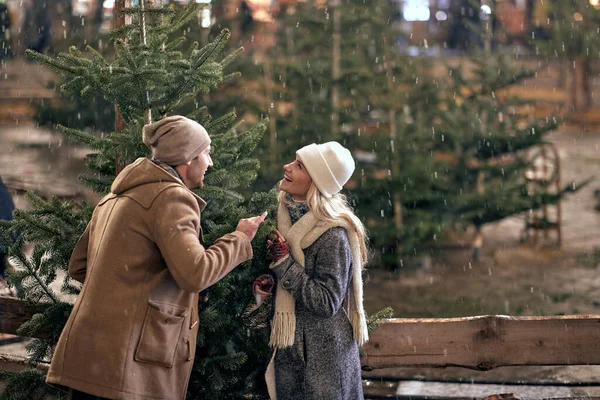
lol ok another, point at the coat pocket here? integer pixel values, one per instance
(160, 333)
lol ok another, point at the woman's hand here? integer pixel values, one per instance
(277, 248)
(262, 287)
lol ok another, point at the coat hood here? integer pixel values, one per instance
(144, 173)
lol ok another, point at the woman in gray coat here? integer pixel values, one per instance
(318, 322)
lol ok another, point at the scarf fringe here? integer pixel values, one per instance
(283, 329)
(359, 328)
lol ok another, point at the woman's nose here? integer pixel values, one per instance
(286, 167)
(210, 163)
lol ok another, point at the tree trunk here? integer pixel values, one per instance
(392, 115)
(584, 82)
(336, 68)
(529, 5)
(573, 86)
(119, 21)
(269, 82)
(581, 98)
(231, 11)
(478, 239)
(587, 86)
(563, 68)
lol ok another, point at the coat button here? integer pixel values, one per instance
(286, 283)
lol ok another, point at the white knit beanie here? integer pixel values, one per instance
(330, 165)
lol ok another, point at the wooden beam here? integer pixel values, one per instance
(17, 364)
(485, 342)
(13, 314)
(480, 343)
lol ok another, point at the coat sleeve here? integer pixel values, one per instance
(193, 267)
(323, 292)
(78, 260)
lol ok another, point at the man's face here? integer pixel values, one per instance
(193, 172)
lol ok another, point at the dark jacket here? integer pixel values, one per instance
(323, 363)
(7, 207)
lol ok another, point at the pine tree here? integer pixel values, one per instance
(369, 106)
(394, 98)
(445, 152)
(298, 71)
(153, 76)
(488, 134)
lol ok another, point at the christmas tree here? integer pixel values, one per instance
(394, 100)
(153, 76)
(297, 76)
(319, 80)
(337, 75)
(487, 134)
(435, 152)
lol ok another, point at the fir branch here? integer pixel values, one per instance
(36, 224)
(179, 21)
(125, 56)
(82, 137)
(375, 320)
(98, 58)
(49, 62)
(29, 265)
(123, 31)
(252, 138)
(149, 10)
(27, 385)
(218, 193)
(174, 44)
(231, 77)
(221, 123)
(213, 48)
(232, 57)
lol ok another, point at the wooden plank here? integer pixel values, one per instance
(481, 343)
(12, 314)
(18, 364)
(15, 312)
(485, 342)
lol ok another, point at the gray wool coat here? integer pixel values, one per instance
(323, 363)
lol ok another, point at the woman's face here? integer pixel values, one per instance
(296, 180)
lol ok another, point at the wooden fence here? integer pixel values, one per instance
(485, 342)
(480, 343)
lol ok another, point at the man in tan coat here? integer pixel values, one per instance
(142, 262)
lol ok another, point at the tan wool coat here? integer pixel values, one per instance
(132, 332)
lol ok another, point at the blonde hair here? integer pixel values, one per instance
(334, 208)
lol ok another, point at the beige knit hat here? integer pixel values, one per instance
(330, 165)
(175, 140)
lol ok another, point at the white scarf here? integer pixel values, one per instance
(299, 236)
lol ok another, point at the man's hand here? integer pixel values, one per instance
(250, 225)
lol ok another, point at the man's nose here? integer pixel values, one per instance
(210, 163)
